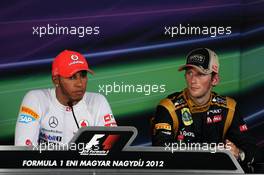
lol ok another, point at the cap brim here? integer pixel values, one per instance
(90, 71)
(183, 67)
(72, 73)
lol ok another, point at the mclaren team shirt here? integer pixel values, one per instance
(42, 118)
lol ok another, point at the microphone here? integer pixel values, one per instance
(71, 106)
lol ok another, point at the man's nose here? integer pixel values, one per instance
(79, 81)
(193, 79)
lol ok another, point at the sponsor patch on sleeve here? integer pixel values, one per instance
(243, 128)
(29, 111)
(164, 126)
(27, 115)
(109, 120)
(23, 118)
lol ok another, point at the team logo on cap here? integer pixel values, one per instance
(75, 60)
(74, 57)
(198, 58)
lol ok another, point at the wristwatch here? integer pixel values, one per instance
(241, 155)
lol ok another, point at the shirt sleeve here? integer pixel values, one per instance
(238, 133)
(104, 113)
(28, 121)
(162, 127)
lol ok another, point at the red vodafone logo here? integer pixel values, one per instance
(83, 123)
(74, 57)
(28, 142)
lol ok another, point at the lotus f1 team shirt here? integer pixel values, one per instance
(42, 118)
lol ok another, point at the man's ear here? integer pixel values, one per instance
(215, 79)
(55, 80)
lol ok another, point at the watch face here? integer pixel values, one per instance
(242, 155)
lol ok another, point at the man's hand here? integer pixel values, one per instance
(232, 147)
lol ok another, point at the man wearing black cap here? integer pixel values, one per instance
(54, 115)
(198, 115)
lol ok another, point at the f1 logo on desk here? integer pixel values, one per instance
(100, 144)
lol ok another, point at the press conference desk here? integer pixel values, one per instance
(108, 151)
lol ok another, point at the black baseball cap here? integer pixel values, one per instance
(203, 59)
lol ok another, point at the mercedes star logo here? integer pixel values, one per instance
(53, 122)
